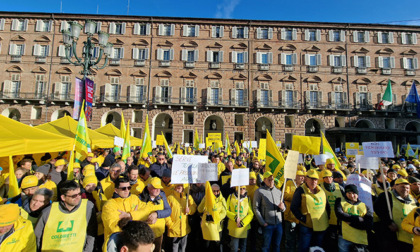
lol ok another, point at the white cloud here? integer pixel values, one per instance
(226, 8)
(414, 22)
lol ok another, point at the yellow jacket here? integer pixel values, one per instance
(145, 163)
(220, 168)
(245, 214)
(288, 196)
(138, 187)
(251, 190)
(412, 220)
(177, 223)
(159, 226)
(22, 239)
(49, 184)
(108, 187)
(210, 229)
(168, 189)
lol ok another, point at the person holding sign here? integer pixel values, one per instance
(268, 209)
(239, 223)
(309, 205)
(401, 203)
(355, 219)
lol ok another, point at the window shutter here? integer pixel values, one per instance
(172, 29)
(258, 33)
(98, 26)
(146, 53)
(258, 58)
(185, 30)
(356, 97)
(37, 50)
(306, 34)
(379, 62)
(245, 57)
(270, 58)
(2, 21)
(184, 55)
(392, 59)
(307, 60)
(148, 29)
(331, 99)
(222, 31)
(282, 96)
(136, 29)
(369, 98)
(270, 33)
(331, 60)
(368, 61)
(220, 96)
(282, 33)
(342, 36)
(221, 56)
(23, 50)
(47, 50)
(234, 32)
(404, 62)
(294, 34)
(270, 97)
(355, 37)
(14, 24)
(307, 96)
(345, 100)
(12, 49)
(294, 58)
(246, 32)
(343, 60)
(135, 53)
(158, 93)
(169, 94)
(123, 26)
(394, 99)
(330, 35)
(209, 56)
(25, 25)
(379, 37)
(122, 53)
(159, 55)
(320, 99)
(183, 92)
(414, 38)
(415, 63)
(283, 58)
(318, 35)
(160, 30)
(112, 55)
(196, 55)
(318, 59)
(403, 38)
(232, 94)
(213, 31)
(391, 37)
(367, 37)
(112, 28)
(131, 93)
(258, 97)
(354, 61)
(61, 51)
(233, 57)
(197, 30)
(171, 54)
(38, 25)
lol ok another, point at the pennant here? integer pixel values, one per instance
(82, 140)
(122, 126)
(168, 150)
(227, 144)
(327, 149)
(14, 189)
(237, 149)
(126, 148)
(409, 151)
(274, 160)
(398, 151)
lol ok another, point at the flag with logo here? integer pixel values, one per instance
(413, 97)
(82, 140)
(327, 149)
(126, 148)
(387, 97)
(274, 160)
(147, 140)
(227, 144)
(168, 150)
(196, 141)
(210, 203)
(416, 154)
(14, 189)
(70, 172)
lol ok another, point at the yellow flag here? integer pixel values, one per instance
(306, 144)
(122, 126)
(211, 203)
(168, 150)
(262, 149)
(196, 141)
(14, 189)
(178, 150)
(227, 145)
(416, 154)
(398, 151)
(409, 151)
(126, 149)
(274, 160)
(70, 172)
(238, 150)
(82, 140)
(327, 149)
(147, 140)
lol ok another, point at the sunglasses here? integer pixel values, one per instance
(161, 159)
(74, 195)
(215, 191)
(125, 188)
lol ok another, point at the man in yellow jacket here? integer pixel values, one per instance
(142, 181)
(212, 231)
(177, 223)
(17, 233)
(107, 185)
(411, 224)
(239, 221)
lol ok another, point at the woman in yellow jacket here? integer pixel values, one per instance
(177, 223)
(213, 231)
(411, 224)
(239, 224)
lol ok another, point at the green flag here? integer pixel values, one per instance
(387, 98)
(126, 149)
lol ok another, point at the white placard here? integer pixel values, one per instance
(185, 168)
(290, 166)
(300, 161)
(153, 144)
(118, 141)
(247, 144)
(367, 162)
(240, 177)
(364, 187)
(202, 146)
(207, 172)
(187, 145)
(278, 144)
(254, 144)
(378, 149)
(321, 159)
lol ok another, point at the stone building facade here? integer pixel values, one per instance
(235, 77)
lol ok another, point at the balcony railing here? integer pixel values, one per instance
(239, 66)
(410, 107)
(22, 95)
(366, 106)
(337, 70)
(386, 71)
(136, 99)
(40, 59)
(239, 103)
(62, 97)
(263, 67)
(288, 68)
(328, 106)
(266, 104)
(312, 69)
(16, 58)
(290, 105)
(164, 63)
(189, 64)
(410, 72)
(361, 70)
(214, 65)
(64, 60)
(139, 63)
(114, 62)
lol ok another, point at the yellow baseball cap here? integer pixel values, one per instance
(90, 154)
(329, 161)
(403, 173)
(94, 160)
(29, 181)
(90, 180)
(312, 173)
(396, 166)
(401, 181)
(9, 214)
(156, 183)
(76, 165)
(300, 173)
(326, 173)
(252, 175)
(60, 162)
(267, 174)
(301, 168)
(145, 155)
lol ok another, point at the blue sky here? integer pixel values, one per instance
(354, 11)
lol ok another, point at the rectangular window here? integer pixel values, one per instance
(264, 33)
(239, 96)
(189, 96)
(190, 56)
(119, 28)
(39, 85)
(65, 87)
(289, 34)
(361, 61)
(264, 58)
(191, 31)
(289, 98)
(313, 98)
(361, 37)
(167, 30)
(117, 53)
(410, 63)
(337, 60)
(312, 60)
(19, 49)
(385, 38)
(240, 59)
(140, 93)
(264, 97)
(20, 25)
(44, 51)
(143, 29)
(338, 98)
(142, 54)
(386, 61)
(363, 99)
(216, 57)
(217, 32)
(166, 55)
(114, 92)
(312, 35)
(336, 36)
(214, 96)
(289, 59)
(165, 94)
(240, 32)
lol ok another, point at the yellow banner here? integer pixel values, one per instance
(307, 145)
(352, 149)
(159, 140)
(262, 149)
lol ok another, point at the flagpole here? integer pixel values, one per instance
(239, 203)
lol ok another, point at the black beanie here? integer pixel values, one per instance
(351, 188)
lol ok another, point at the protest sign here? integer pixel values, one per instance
(153, 144)
(185, 168)
(378, 149)
(118, 141)
(364, 188)
(278, 143)
(290, 166)
(321, 159)
(207, 172)
(367, 162)
(187, 145)
(247, 144)
(240, 177)
(254, 144)
(202, 146)
(352, 149)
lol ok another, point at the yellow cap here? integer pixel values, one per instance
(76, 165)
(365, 172)
(145, 155)
(262, 163)
(401, 181)
(267, 174)
(326, 173)
(90, 154)
(29, 181)
(416, 163)
(301, 168)
(252, 175)
(329, 161)
(90, 180)
(88, 170)
(403, 173)
(9, 214)
(156, 183)
(396, 166)
(300, 173)
(94, 160)
(242, 187)
(312, 173)
(60, 162)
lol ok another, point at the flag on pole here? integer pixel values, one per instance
(387, 97)
(227, 144)
(147, 140)
(14, 189)
(327, 149)
(82, 140)
(70, 172)
(126, 149)
(398, 151)
(413, 97)
(409, 151)
(168, 150)
(238, 150)
(196, 141)
(274, 160)
(416, 154)
(122, 126)
(210, 203)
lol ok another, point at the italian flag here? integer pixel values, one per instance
(387, 98)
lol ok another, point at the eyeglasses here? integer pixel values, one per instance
(74, 195)
(243, 188)
(125, 188)
(161, 159)
(216, 191)
(115, 171)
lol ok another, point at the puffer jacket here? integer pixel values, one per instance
(266, 201)
(177, 223)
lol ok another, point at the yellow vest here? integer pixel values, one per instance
(399, 212)
(26, 216)
(22, 239)
(245, 214)
(349, 233)
(315, 205)
(331, 197)
(66, 231)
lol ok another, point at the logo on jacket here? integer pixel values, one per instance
(65, 226)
